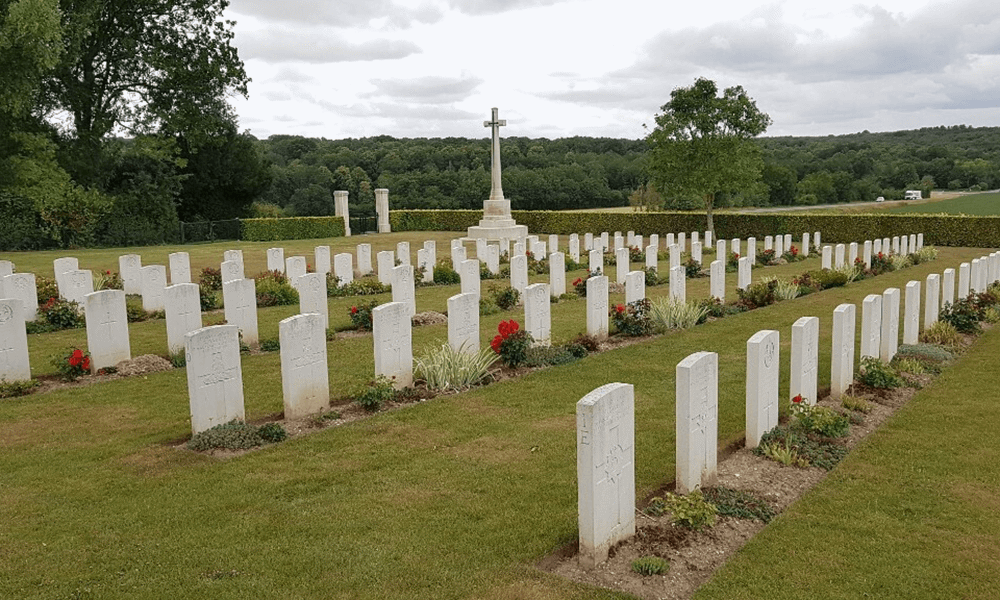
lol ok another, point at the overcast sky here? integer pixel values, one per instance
(559, 68)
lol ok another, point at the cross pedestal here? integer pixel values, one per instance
(497, 222)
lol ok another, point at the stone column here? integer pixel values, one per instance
(340, 210)
(382, 210)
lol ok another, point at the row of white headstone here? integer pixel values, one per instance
(835, 257)
(606, 421)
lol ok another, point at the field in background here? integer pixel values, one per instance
(976, 204)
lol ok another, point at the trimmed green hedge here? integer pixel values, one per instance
(938, 230)
(291, 228)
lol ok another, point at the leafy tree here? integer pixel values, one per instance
(703, 143)
(140, 66)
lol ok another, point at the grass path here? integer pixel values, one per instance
(913, 512)
(454, 498)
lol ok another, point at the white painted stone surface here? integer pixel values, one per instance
(234, 255)
(519, 273)
(403, 253)
(312, 296)
(932, 301)
(671, 239)
(596, 261)
(392, 336)
(682, 241)
(788, 242)
(717, 277)
(889, 338)
(14, 361)
(619, 241)
(948, 288)
(678, 284)
(481, 249)
(182, 306)
(779, 246)
(696, 254)
(239, 299)
(805, 244)
(708, 239)
(386, 262)
(364, 256)
(827, 260)
(538, 313)
(734, 246)
(964, 279)
(382, 210)
(341, 208)
(697, 421)
(61, 266)
(720, 250)
(743, 273)
(852, 253)
(911, 318)
(574, 247)
(654, 241)
(752, 250)
(305, 378)
(231, 270)
(817, 240)
(553, 244)
(343, 268)
(652, 260)
(493, 258)
(904, 247)
(588, 241)
(605, 466)
(6, 268)
(129, 266)
(424, 262)
(804, 373)
(180, 267)
(459, 254)
(871, 326)
(920, 241)
(431, 247)
(867, 254)
(635, 286)
(215, 376)
(404, 288)
(675, 255)
(22, 287)
(621, 265)
(557, 274)
(77, 284)
(842, 362)
(276, 259)
(468, 273)
(107, 329)
(463, 323)
(838, 256)
(763, 368)
(321, 258)
(895, 244)
(876, 247)
(154, 282)
(597, 307)
(768, 242)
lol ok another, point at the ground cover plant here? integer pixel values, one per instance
(110, 496)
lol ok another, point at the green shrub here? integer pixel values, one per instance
(650, 565)
(667, 313)
(758, 295)
(178, 359)
(272, 433)
(210, 299)
(877, 374)
(361, 315)
(106, 280)
(291, 228)
(825, 279)
(60, 313)
(374, 395)
(505, 297)
(820, 420)
(134, 310)
(46, 288)
(544, 356)
(511, 343)
(692, 270)
(445, 368)
(488, 307)
(13, 389)
(587, 342)
(211, 279)
(691, 511)
(270, 345)
(236, 435)
(713, 307)
(803, 449)
(445, 275)
(856, 404)
(963, 315)
(942, 333)
(273, 289)
(926, 353)
(362, 286)
(737, 503)
(632, 319)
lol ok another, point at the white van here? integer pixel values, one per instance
(913, 195)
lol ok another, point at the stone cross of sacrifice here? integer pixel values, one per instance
(496, 192)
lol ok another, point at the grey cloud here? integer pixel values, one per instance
(429, 89)
(276, 95)
(318, 47)
(292, 76)
(490, 7)
(343, 13)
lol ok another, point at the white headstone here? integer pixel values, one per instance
(295, 267)
(682, 241)
(276, 259)
(234, 255)
(931, 304)
(697, 421)
(107, 329)
(911, 318)
(852, 253)
(605, 468)
(838, 256)
(652, 260)
(493, 258)
(468, 272)
(215, 376)
(752, 250)
(708, 239)
(22, 287)
(948, 288)
(458, 255)
(129, 266)
(182, 306)
(734, 246)
(779, 246)
(6, 268)
(768, 242)
(675, 255)
(364, 254)
(403, 252)
(386, 263)
(964, 279)
(696, 252)
(619, 241)
(827, 260)
(670, 239)
(694, 236)
(817, 241)
(804, 374)
(239, 299)
(574, 247)
(463, 323)
(920, 241)
(654, 241)
(424, 262)
(519, 272)
(596, 264)
(305, 378)
(404, 288)
(76, 285)
(678, 284)
(557, 274)
(621, 265)
(805, 244)
(635, 286)
(393, 338)
(763, 369)
(64, 265)
(718, 280)
(321, 254)
(343, 268)
(231, 270)
(743, 273)
(431, 247)
(597, 307)
(788, 242)
(720, 251)
(538, 313)
(895, 244)
(867, 254)
(842, 363)
(588, 241)
(904, 247)
(14, 362)
(553, 245)
(312, 296)
(180, 267)
(871, 326)
(154, 282)
(889, 338)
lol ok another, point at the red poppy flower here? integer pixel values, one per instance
(620, 308)
(495, 344)
(797, 399)
(354, 310)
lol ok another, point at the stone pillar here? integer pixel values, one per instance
(382, 210)
(340, 209)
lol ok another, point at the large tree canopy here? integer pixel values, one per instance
(138, 66)
(703, 143)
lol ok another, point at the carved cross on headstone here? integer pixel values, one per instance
(496, 192)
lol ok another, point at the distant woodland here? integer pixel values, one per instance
(582, 172)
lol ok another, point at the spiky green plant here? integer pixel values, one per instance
(667, 313)
(899, 261)
(446, 368)
(786, 290)
(849, 271)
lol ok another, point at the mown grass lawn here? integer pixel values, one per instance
(453, 498)
(974, 204)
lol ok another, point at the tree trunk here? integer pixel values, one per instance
(709, 201)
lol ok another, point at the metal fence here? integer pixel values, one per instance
(364, 225)
(209, 231)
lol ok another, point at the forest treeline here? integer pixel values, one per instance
(584, 172)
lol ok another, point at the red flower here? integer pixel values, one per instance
(495, 344)
(736, 255)
(620, 308)
(578, 281)
(797, 399)
(514, 326)
(75, 358)
(503, 329)
(354, 310)
(86, 363)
